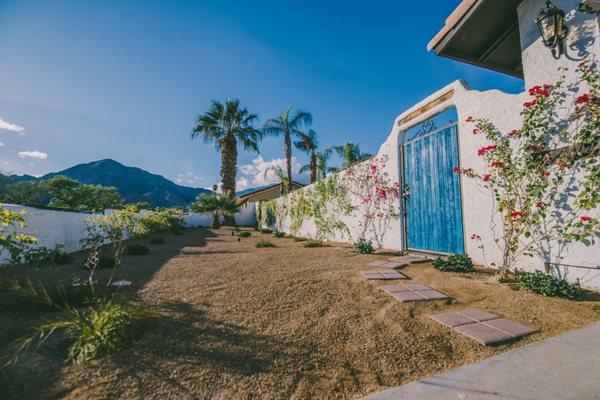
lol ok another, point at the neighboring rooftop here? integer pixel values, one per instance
(265, 192)
(483, 33)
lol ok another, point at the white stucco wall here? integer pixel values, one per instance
(52, 227)
(503, 110)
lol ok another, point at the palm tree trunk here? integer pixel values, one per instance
(287, 148)
(216, 223)
(313, 168)
(228, 170)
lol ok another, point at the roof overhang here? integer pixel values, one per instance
(483, 33)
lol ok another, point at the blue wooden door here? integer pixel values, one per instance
(433, 202)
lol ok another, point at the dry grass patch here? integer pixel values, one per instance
(231, 321)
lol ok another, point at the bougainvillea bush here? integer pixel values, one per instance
(544, 176)
(375, 197)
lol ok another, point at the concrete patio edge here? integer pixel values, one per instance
(558, 368)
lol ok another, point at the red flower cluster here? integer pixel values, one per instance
(486, 177)
(546, 173)
(516, 214)
(583, 99)
(514, 132)
(381, 194)
(486, 149)
(466, 171)
(585, 218)
(470, 119)
(540, 91)
(475, 131)
(539, 205)
(475, 237)
(529, 104)
(497, 164)
(535, 149)
(561, 164)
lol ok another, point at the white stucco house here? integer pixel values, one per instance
(500, 36)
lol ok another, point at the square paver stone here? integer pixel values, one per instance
(409, 259)
(457, 318)
(413, 292)
(483, 333)
(382, 275)
(515, 329)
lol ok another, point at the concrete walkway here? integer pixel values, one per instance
(559, 368)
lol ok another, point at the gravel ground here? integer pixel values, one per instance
(229, 321)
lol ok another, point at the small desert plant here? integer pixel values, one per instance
(264, 243)
(314, 243)
(454, 263)
(364, 246)
(91, 332)
(548, 285)
(44, 256)
(279, 234)
(299, 239)
(266, 231)
(138, 250)
(245, 234)
(157, 240)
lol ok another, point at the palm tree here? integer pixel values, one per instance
(288, 124)
(321, 160)
(225, 125)
(218, 205)
(309, 143)
(351, 154)
(283, 180)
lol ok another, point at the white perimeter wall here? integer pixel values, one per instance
(52, 227)
(503, 110)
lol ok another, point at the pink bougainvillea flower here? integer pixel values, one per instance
(456, 170)
(470, 119)
(486, 177)
(496, 164)
(475, 236)
(516, 214)
(546, 173)
(583, 99)
(561, 164)
(540, 91)
(539, 205)
(483, 150)
(530, 104)
(475, 131)
(514, 132)
(585, 218)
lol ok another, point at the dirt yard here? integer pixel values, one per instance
(229, 321)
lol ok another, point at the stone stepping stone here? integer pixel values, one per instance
(483, 327)
(405, 260)
(384, 264)
(413, 292)
(378, 274)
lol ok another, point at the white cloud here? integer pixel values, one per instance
(1, 144)
(33, 154)
(11, 127)
(188, 178)
(254, 174)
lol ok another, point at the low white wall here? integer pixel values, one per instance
(52, 227)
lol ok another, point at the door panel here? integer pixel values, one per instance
(433, 206)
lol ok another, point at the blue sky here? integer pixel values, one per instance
(125, 80)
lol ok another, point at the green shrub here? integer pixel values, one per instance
(299, 239)
(266, 231)
(454, 263)
(138, 250)
(314, 243)
(245, 234)
(547, 285)
(43, 256)
(157, 240)
(264, 243)
(363, 246)
(279, 234)
(104, 262)
(98, 329)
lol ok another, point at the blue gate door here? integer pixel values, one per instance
(433, 202)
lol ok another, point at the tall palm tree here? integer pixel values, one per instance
(217, 205)
(309, 143)
(288, 125)
(351, 154)
(321, 160)
(226, 124)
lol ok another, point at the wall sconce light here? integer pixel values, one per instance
(551, 24)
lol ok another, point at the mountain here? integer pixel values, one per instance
(134, 184)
